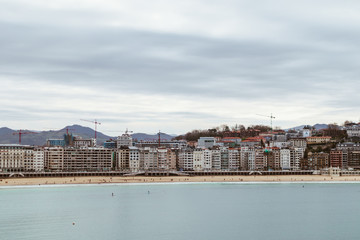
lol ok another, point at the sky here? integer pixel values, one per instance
(176, 66)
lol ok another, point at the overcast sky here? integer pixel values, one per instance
(178, 65)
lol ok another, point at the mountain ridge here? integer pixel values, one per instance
(7, 135)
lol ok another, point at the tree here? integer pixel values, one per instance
(348, 123)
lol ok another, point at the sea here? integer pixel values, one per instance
(186, 211)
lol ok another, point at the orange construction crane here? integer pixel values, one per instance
(67, 130)
(95, 122)
(20, 132)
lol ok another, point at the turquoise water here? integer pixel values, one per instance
(182, 211)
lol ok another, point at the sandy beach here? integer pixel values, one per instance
(176, 179)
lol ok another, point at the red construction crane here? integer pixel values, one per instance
(67, 130)
(95, 122)
(21, 133)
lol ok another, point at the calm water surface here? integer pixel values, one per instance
(182, 211)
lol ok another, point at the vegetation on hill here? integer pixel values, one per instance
(225, 131)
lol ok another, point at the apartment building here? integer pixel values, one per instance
(317, 161)
(87, 159)
(123, 158)
(54, 159)
(134, 159)
(12, 157)
(318, 140)
(124, 140)
(38, 161)
(216, 159)
(198, 159)
(260, 161)
(285, 159)
(148, 159)
(224, 155)
(186, 162)
(163, 162)
(234, 159)
(336, 158)
(296, 155)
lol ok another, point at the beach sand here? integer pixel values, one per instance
(163, 179)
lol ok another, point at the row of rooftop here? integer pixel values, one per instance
(275, 150)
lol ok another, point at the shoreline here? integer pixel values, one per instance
(96, 180)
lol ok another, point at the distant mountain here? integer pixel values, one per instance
(40, 138)
(5, 130)
(320, 126)
(317, 126)
(144, 136)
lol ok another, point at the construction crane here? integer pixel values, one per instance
(20, 132)
(95, 122)
(67, 130)
(159, 137)
(127, 131)
(271, 118)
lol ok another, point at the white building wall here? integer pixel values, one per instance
(124, 140)
(215, 159)
(186, 160)
(38, 163)
(206, 142)
(285, 159)
(134, 159)
(198, 160)
(247, 158)
(306, 133)
(163, 162)
(207, 159)
(296, 154)
(234, 159)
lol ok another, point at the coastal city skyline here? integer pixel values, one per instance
(176, 66)
(192, 119)
(241, 151)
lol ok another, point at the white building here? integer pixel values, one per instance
(259, 159)
(124, 140)
(207, 160)
(296, 154)
(12, 157)
(215, 159)
(234, 159)
(206, 142)
(28, 158)
(38, 163)
(198, 159)
(353, 131)
(285, 159)
(134, 159)
(247, 158)
(54, 158)
(186, 160)
(279, 144)
(163, 161)
(306, 133)
(148, 159)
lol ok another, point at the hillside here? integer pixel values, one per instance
(40, 138)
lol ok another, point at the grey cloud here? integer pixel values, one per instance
(128, 60)
(310, 58)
